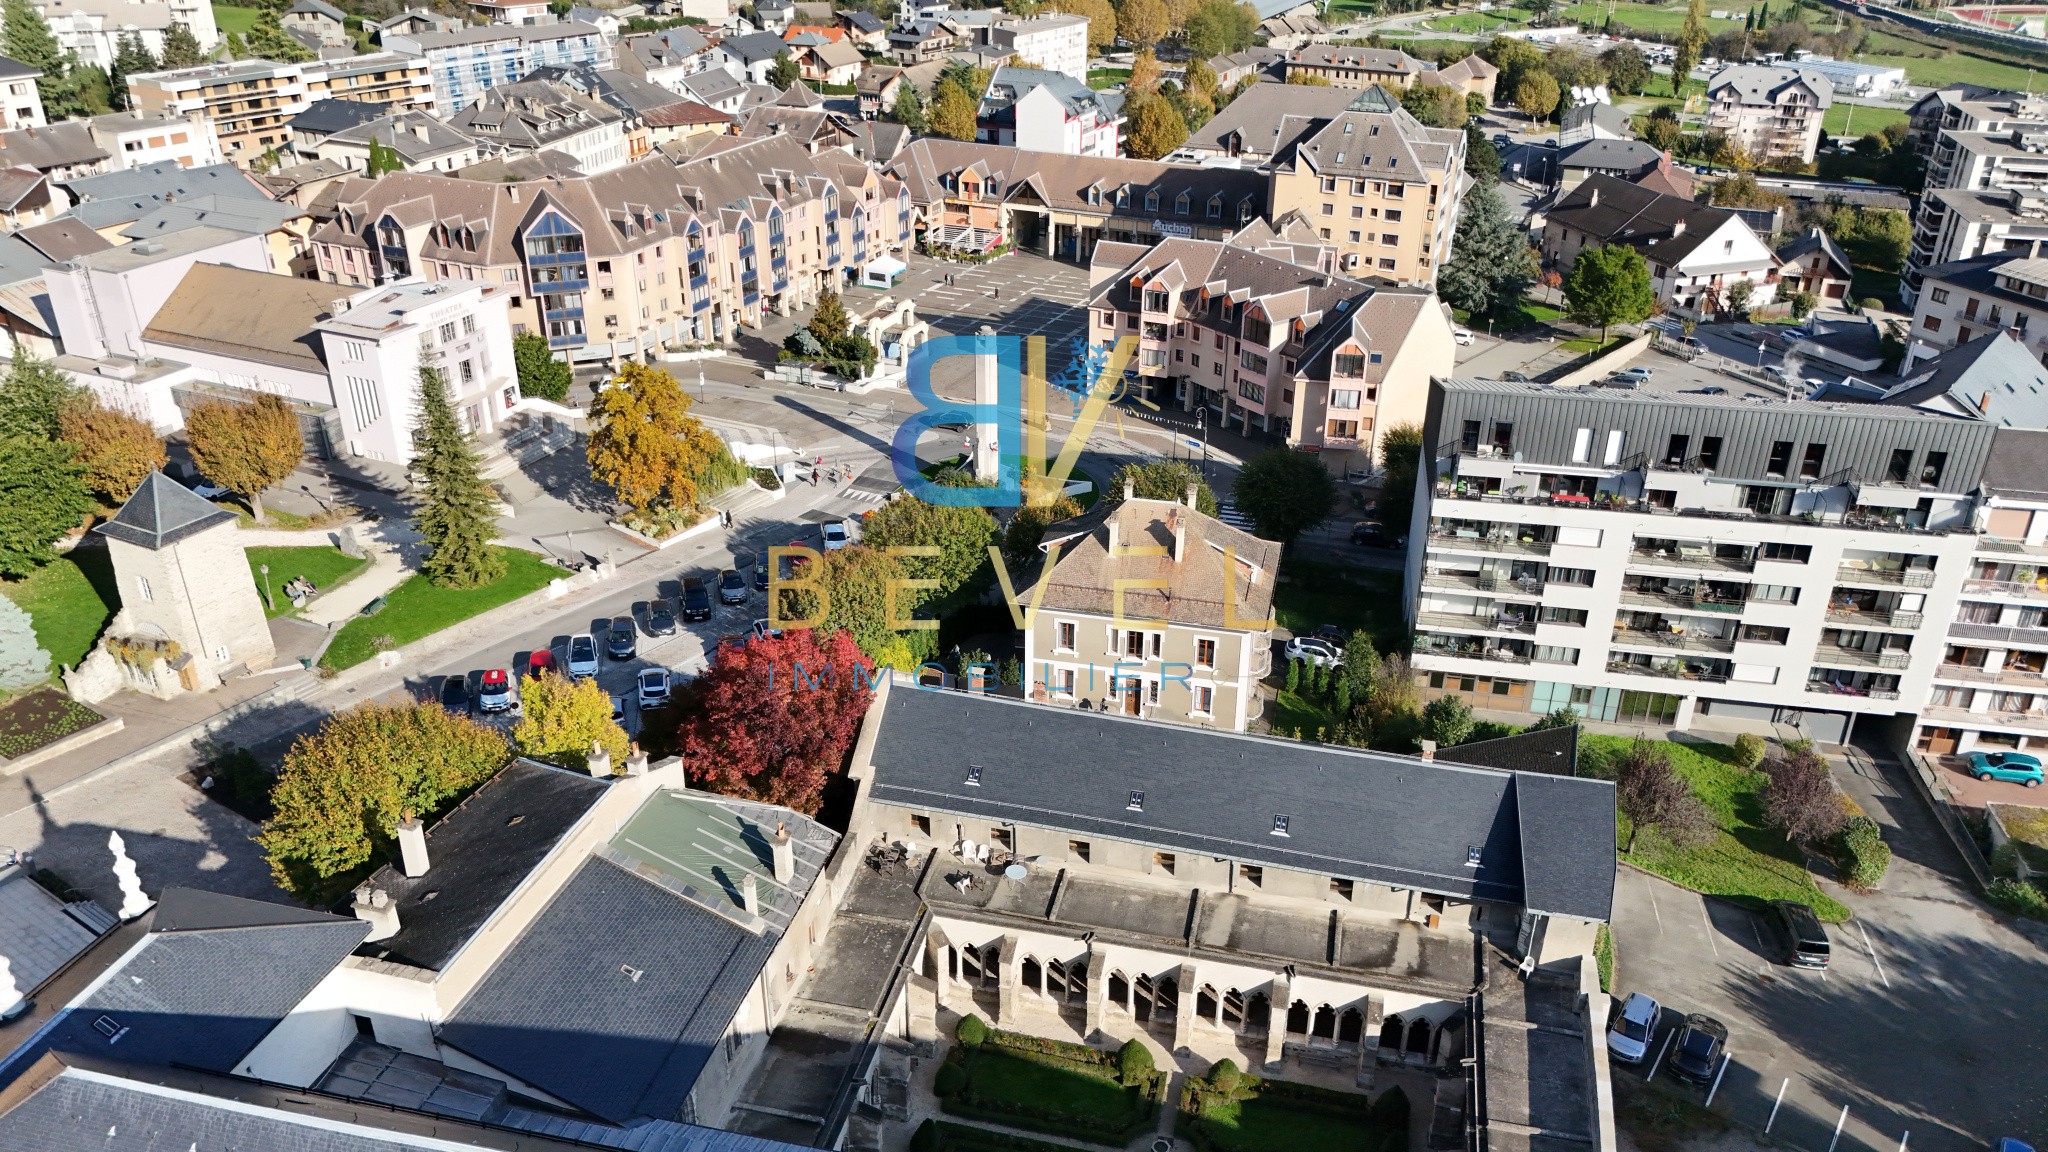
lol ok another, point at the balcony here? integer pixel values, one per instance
(1470, 622)
(1892, 577)
(1823, 688)
(2008, 547)
(2011, 588)
(1888, 658)
(1669, 670)
(1491, 583)
(1467, 540)
(2034, 718)
(1602, 502)
(1878, 617)
(1690, 556)
(1683, 602)
(1671, 641)
(1980, 675)
(1451, 647)
(1999, 634)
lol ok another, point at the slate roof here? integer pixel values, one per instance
(1268, 116)
(1760, 85)
(210, 980)
(253, 315)
(753, 47)
(1009, 85)
(1062, 181)
(112, 198)
(2018, 462)
(1369, 816)
(318, 8)
(1992, 378)
(477, 855)
(1626, 156)
(1550, 751)
(16, 184)
(1389, 60)
(1375, 137)
(1815, 239)
(532, 114)
(251, 217)
(1085, 578)
(162, 511)
(1614, 211)
(58, 145)
(1603, 116)
(37, 937)
(322, 117)
(401, 131)
(11, 69)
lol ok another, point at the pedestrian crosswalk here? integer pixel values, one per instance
(1228, 513)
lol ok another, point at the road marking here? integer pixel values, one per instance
(1875, 963)
(1659, 1061)
(1839, 1121)
(1725, 1057)
(1782, 1085)
(1654, 910)
(1708, 921)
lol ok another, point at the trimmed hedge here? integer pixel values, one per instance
(1864, 854)
(971, 1032)
(1390, 1112)
(1034, 1115)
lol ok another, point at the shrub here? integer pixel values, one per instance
(1134, 1062)
(242, 776)
(1871, 304)
(970, 1032)
(1749, 751)
(1390, 1112)
(1865, 855)
(1225, 1075)
(1294, 675)
(946, 1083)
(2019, 897)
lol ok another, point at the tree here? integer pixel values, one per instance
(1651, 793)
(1146, 74)
(1564, 717)
(953, 111)
(1692, 38)
(42, 496)
(245, 448)
(561, 717)
(1101, 19)
(1513, 57)
(909, 108)
(1609, 285)
(1027, 529)
(130, 59)
(1220, 27)
(776, 716)
(864, 596)
(343, 789)
(1627, 71)
(1285, 492)
(1201, 81)
(33, 397)
(1750, 751)
(645, 444)
(1800, 800)
(1361, 664)
(1156, 128)
(1164, 480)
(1435, 105)
(1661, 129)
(829, 321)
(383, 159)
(1447, 720)
(1390, 704)
(1308, 80)
(783, 72)
(1142, 23)
(27, 38)
(1490, 265)
(1536, 95)
(23, 662)
(540, 374)
(457, 512)
(268, 40)
(1482, 160)
(961, 533)
(1735, 298)
(1400, 460)
(181, 48)
(115, 449)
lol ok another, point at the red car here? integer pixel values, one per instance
(494, 692)
(540, 661)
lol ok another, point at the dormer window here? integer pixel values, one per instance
(1180, 204)
(1094, 195)
(1123, 197)
(1216, 206)
(1152, 201)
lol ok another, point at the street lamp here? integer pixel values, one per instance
(1202, 422)
(700, 381)
(267, 599)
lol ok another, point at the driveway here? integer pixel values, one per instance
(1925, 1026)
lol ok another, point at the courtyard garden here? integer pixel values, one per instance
(1230, 1111)
(1051, 1086)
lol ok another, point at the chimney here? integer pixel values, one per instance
(1429, 749)
(1192, 486)
(1179, 525)
(1593, 198)
(373, 907)
(420, 130)
(600, 760)
(412, 847)
(1130, 487)
(750, 894)
(783, 852)
(636, 762)
(1111, 524)
(512, 190)
(1678, 229)
(1984, 403)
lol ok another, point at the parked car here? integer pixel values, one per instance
(455, 694)
(1501, 140)
(207, 489)
(1697, 1051)
(619, 711)
(1461, 336)
(661, 617)
(732, 588)
(1806, 942)
(1318, 652)
(761, 630)
(582, 660)
(2012, 767)
(1632, 377)
(1634, 1027)
(623, 641)
(1332, 635)
(764, 571)
(494, 691)
(1372, 534)
(654, 687)
(696, 599)
(833, 533)
(1515, 377)
(539, 662)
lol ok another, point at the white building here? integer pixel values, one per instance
(1055, 43)
(1696, 253)
(518, 12)
(466, 63)
(1987, 167)
(535, 116)
(93, 28)
(1046, 111)
(138, 139)
(377, 341)
(1774, 113)
(24, 101)
(1873, 81)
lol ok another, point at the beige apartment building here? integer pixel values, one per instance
(380, 78)
(1378, 185)
(1773, 113)
(1150, 608)
(1354, 67)
(249, 102)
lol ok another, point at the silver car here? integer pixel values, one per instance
(1628, 1038)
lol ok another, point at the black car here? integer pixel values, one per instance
(1696, 1054)
(1515, 377)
(1806, 942)
(455, 694)
(1370, 534)
(623, 641)
(732, 588)
(696, 599)
(762, 574)
(661, 618)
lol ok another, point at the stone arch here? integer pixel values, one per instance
(1418, 1038)
(1350, 1025)
(1077, 980)
(1325, 1023)
(1206, 1003)
(1258, 1012)
(1146, 998)
(1233, 1009)
(1056, 979)
(1297, 1018)
(1393, 1030)
(1166, 994)
(1031, 974)
(1120, 989)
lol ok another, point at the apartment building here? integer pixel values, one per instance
(622, 264)
(248, 102)
(93, 29)
(1260, 334)
(532, 116)
(665, 57)
(1773, 113)
(1695, 253)
(2005, 291)
(22, 105)
(1658, 555)
(1056, 43)
(422, 144)
(137, 139)
(1263, 120)
(1987, 178)
(1377, 184)
(377, 341)
(1187, 639)
(1046, 111)
(463, 64)
(1353, 67)
(400, 82)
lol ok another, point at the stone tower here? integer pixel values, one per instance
(180, 570)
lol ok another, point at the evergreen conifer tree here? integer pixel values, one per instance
(457, 511)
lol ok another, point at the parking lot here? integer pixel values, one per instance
(1924, 1026)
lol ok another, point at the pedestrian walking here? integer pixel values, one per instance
(814, 475)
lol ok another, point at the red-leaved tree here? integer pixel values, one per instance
(774, 717)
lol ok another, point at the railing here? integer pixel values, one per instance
(1892, 658)
(1672, 670)
(1682, 602)
(1890, 619)
(1904, 577)
(1822, 688)
(1645, 638)
(1991, 675)
(1484, 582)
(1499, 655)
(1445, 491)
(2007, 588)
(1998, 633)
(1473, 623)
(1682, 559)
(2017, 547)
(1487, 542)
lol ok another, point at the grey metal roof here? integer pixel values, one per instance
(2018, 463)
(752, 47)
(203, 992)
(1991, 378)
(1610, 156)
(11, 69)
(51, 146)
(37, 937)
(334, 114)
(1368, 816)
(112, 198)
(161, 512)
(1568, 874)
(1816, 239)
(251, 217)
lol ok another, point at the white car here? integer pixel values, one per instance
(208, 490)
(1318, 652)
(833, 534)
(654, 687)
(761, 630)
(1628, 1039)
(1461, 336)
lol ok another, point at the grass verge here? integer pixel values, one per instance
(1860, 119)
(70, 600)
(418, 607)
(1107, 77)
(1603, 957)
(1745, 860)
(325, 567)
(1662, 1119)
(230, 18)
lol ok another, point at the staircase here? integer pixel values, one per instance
(521, 440)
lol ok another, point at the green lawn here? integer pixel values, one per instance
(1269, 1123)
(70, 601)
(1047, 1093)
(1478, 23)
(1295, 712)
(1527, 314)
(1860, 119)
(1956, 67)
(325, 567)
(1643, 17)
(1745, 859)
(1107, 77)
(235, 20)
(418, 608)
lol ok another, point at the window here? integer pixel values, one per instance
(1358, 211)
(1932, 468)
(1900, 467)
(1329, 209)
(1344, 397)
(142, 583)
(1774, 593)
(1205, 653)
(1205, 700)
(1155, 300)
(1354, 236)
(1254, 393)
(1710, 452)
(1280, 822)
(1163, 862)
(1251, 874)
(922, 825)
(1676, 448)
(468, 325)
(1251, 361)
(1810, 464)
(1940, 295)
(467, 371)
(1574, 617)
(1078, 850)
(1137, 802)
(1931, 323)
(1582, 446)
(1347, 364)
(1763, 634)
(448, 332)
(1063, 636)
(1781, 458)
(1614, 443)
(1340, 888)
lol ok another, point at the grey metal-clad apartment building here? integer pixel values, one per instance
(1655, 554)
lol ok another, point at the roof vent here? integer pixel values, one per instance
(974, 775)
(1280, 825)
(1472, 855)
(632, 973)
(1137, 803)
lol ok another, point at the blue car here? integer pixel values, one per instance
(2012, 767)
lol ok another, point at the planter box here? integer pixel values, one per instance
(709, 523)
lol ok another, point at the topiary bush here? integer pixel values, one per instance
(971, 1032)
(949, 1081)
(1224, 1074)
(1134, 1063)
(1749, 751)
(1865, 855)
